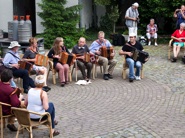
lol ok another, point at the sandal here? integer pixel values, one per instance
(55, 133)
(56, 122)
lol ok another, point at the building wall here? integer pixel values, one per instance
(86, 13)
(39, 27)
(100, 11)
(5, 15)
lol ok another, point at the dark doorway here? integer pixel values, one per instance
(23, 8)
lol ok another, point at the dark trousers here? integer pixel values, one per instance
(22, 73)
(82, 66)
(51, 111)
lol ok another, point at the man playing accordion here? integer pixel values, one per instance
(127, 50)
(79, 50)
(95, 48)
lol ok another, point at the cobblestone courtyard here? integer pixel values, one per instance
(150, 108)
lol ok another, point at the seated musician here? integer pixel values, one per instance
(80, 49)
(94, 48)
(179, 38)
(54, 53)
(8, 96)
(127, 50)
(11, 61)
(29, 56)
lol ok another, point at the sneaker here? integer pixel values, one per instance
(110, 76)
(156, 44)
(11, 127)
(149, 43)
(138, 78)
(105, 77)
(131, 79)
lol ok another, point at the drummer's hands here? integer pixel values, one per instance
(56, 56)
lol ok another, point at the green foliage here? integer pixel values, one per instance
(112, 14)
(60, 22)
(162, 11)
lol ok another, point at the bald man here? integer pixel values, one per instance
(79, 50)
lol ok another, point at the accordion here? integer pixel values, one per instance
(140, 55)
(25, 65)
(90, 58)
(106, 52)
(66, 58)
(41, 60)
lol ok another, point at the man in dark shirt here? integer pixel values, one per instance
(80, 49)
(127, 51)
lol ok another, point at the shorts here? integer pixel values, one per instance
(181, 44)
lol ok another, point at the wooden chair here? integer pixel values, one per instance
(54, 72)
(170, 48)
(125, 67)
(101, 70)
(76, 71)
(23, 118)
(3, 117)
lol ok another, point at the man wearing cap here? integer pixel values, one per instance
(132, 18)
(127, 51)
(11, 61)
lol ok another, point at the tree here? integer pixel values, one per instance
(112, 13)
(60, 22)
(162, 11)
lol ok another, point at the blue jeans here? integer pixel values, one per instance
(51, 111)
(131, 63)
(12, 83)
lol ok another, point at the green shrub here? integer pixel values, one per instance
(60, 22)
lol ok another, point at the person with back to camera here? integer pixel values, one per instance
(179, 39)
(152, 32)
(37, 101)
(8, 95)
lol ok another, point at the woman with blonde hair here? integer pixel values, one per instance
(63, 69)
(30, 55)
(37, 101)
(179, 39)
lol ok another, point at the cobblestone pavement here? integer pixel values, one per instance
(150, 108)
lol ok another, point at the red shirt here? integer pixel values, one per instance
(178, 35)
(6, 97)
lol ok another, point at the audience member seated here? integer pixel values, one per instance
(30, 55)
(8, 95)
(152, 32)
(54, 53)
(37, 101)
(179, 38)
(11, 61)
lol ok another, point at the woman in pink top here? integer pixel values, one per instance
(179, 38)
